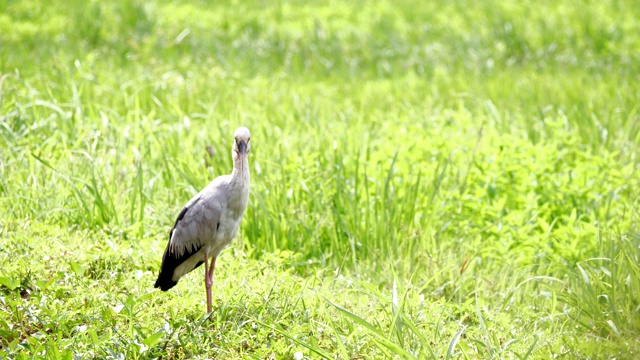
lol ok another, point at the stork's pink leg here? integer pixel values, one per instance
(210, 276)
(207, 279)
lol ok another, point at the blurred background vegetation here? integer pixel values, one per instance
(141, 88)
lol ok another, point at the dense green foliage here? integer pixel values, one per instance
(429, 179)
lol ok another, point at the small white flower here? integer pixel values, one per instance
(298, 355)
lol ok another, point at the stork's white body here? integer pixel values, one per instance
(208, 222)
(199, 227)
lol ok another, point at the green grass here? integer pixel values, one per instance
(429, 179)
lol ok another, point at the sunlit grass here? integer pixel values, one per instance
(440, 180)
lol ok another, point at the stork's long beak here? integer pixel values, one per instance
(242, 148)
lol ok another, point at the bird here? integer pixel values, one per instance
(208, 222)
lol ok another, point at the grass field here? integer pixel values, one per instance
(429, 179)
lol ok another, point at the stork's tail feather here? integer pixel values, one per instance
(165, 278)
(164, 282)
(170, 262)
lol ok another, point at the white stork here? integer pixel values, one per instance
(208, 222)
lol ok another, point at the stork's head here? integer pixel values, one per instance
(241, 143)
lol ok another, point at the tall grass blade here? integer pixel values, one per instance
(377, 333)
(454, 342)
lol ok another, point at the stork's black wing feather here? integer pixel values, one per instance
(171, 260)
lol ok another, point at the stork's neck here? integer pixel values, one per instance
(240, 174)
